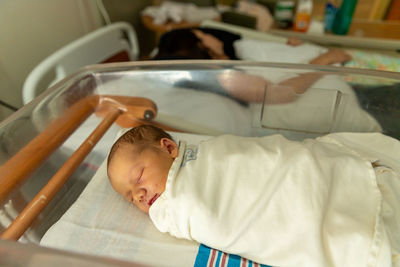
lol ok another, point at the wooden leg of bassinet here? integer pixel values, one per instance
(40, 201)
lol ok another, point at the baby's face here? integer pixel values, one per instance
(140, 177)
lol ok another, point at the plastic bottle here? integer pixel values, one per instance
(344, 16)
(330, 14)
(303, 15)
(284, 12)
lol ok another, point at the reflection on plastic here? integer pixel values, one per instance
(314, 111)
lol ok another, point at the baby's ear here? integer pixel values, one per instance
(170, 146)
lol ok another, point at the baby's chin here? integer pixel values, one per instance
(144, 209)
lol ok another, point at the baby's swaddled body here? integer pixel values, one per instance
(275, 201)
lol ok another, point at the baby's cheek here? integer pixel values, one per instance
(160, 187)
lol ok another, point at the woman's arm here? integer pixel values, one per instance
(290, 89)
(251, 88)
(331, 57)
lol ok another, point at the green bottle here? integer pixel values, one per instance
(343, 17)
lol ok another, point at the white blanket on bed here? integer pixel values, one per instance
(260, 50)
(278, 202)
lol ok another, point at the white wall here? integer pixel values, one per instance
(30, 30)
(129, 11)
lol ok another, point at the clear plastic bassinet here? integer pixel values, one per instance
(200, 97)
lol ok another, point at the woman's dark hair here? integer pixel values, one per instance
(227, 39)
(184, 44)
(180, 44)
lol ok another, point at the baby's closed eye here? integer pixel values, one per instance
(139, 177)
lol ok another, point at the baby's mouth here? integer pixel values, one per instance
(151, 201)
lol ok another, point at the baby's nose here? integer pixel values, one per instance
(140, 195)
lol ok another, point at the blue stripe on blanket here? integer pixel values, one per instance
(218, 258)
(234, 261)
(202, 256)
(210, 257)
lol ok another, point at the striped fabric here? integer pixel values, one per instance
(208, 257)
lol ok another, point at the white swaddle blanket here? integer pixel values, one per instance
(278, 202)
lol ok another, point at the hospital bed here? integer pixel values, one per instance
(86, 222)
(378, 45)
(116, 42)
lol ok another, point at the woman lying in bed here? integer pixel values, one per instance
(271, 86)
(208, 43)
(330, 201)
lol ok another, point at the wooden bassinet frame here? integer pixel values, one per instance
(125, 111)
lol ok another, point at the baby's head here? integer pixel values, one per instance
(139, 162)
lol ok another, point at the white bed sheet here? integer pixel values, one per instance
(101, 222)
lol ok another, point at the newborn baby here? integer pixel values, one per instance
(328, 201)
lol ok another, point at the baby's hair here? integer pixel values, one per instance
(141, 136)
